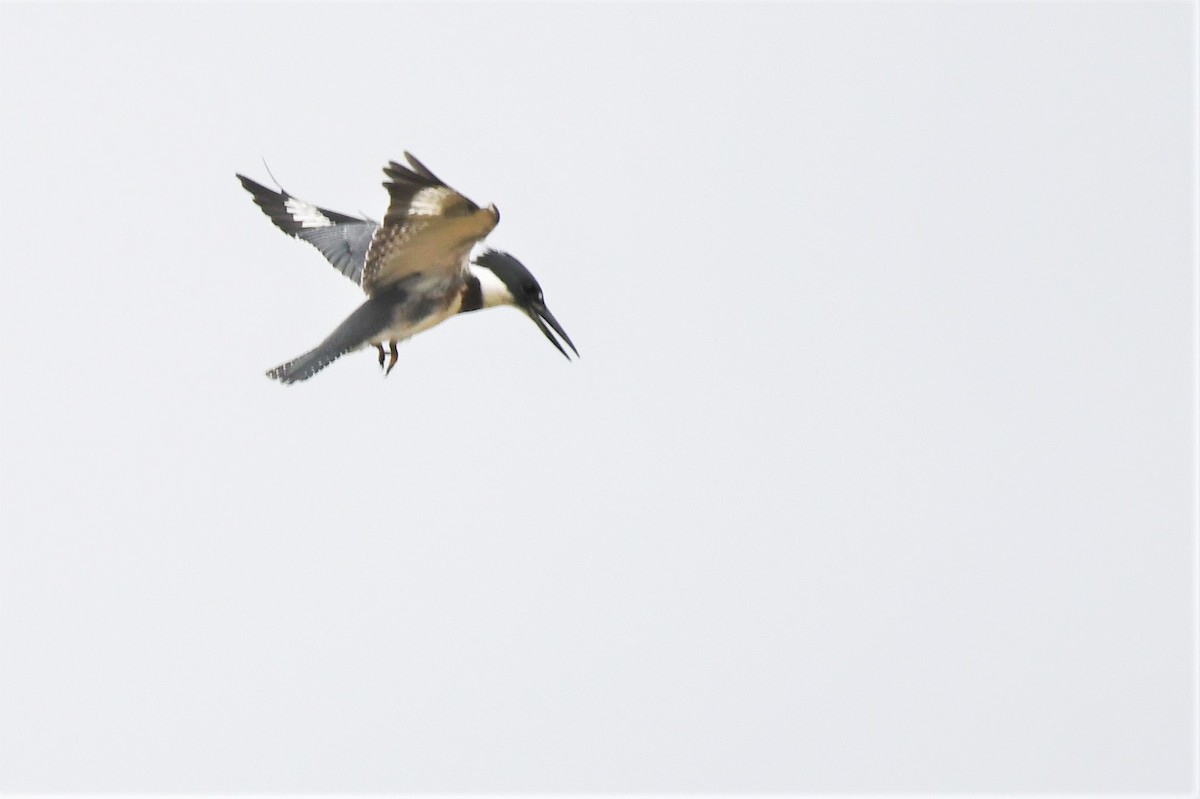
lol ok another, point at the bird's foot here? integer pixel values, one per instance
(394, 355)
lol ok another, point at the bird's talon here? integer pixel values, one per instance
(393, 353)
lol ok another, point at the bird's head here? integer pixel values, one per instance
(503, 280)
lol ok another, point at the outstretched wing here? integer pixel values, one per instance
(342, 239)
(429, 228)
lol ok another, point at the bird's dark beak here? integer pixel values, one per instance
(541, 317)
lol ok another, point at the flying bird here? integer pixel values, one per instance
(421, 266)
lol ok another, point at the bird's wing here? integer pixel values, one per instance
(342, 239)
(429, 228)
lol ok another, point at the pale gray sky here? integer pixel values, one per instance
(876, 473)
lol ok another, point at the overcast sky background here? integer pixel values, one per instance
(876, 473)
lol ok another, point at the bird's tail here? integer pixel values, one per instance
(368, 320)
(307, 364)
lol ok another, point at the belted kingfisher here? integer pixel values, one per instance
(416, 269)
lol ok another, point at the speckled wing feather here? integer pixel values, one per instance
(429, 228)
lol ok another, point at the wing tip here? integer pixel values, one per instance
(252, 186)
(416, 174)
(419, 167)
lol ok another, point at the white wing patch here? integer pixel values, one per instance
(307, 215)
(429, 202)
